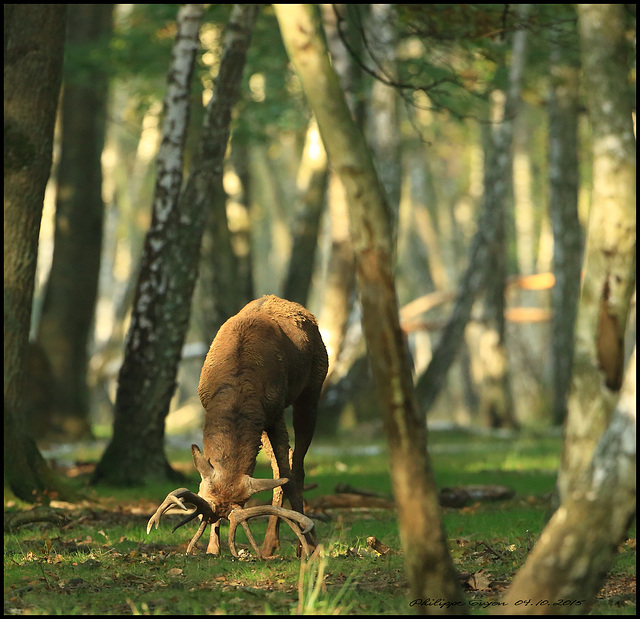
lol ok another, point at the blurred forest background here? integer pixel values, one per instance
(429, 85)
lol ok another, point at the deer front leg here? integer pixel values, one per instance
(213, 547)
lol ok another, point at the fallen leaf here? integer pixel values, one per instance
(479, 581)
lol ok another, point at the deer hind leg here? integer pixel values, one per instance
(272, 538)
(305, 410)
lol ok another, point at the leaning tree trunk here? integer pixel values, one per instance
(69, 301)
(429, 567)
(33, 48)
(578, 545)
(170, 262)
(610, 257)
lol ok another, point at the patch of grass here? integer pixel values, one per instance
(102, 561)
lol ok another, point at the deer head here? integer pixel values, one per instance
(217, 498)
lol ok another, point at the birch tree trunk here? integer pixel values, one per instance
(610, 257)
(428, 565)
(34, 38)
(170, 262)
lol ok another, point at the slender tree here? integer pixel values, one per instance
(486, 255)
(33, 48)
(428, 564)
(339, 288)
(563, 204)
(172, 249)
(312, 188)
(70, 297)
(140, 418)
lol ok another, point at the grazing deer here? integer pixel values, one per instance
(263, 359)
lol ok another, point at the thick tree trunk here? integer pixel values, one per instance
(169, 271)
(33, 49)
(610, 258)
(70, 297)
(576, 548)
(429, 567)
(567, 242)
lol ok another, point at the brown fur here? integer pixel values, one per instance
(268, 356)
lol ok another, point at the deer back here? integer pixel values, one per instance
(261, 361)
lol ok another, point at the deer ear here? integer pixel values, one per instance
(201, 463)
(259, 485)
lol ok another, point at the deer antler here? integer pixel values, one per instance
(240, 516)
(175, 499)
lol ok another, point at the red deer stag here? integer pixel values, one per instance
(263, 359)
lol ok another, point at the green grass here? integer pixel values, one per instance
(103, 562)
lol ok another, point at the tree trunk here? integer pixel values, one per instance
(429, 567)
(219, 290)
(170, 264)
(312, 188)
(339, 289)
(70, 297)
(577, 547)
(33, 49)
(610, 260)
(485, 256)
(567, 242)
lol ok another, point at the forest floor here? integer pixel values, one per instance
(94, 557)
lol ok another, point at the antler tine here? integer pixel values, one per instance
(175, 499)
(197, 536)
(240, 516)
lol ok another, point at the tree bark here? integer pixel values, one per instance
(152, 350)
(339, 289)
(33, 49)
(567, 241)
(429, 567)
(576, 548)
(219, 289)
(70, 297)
(169, 271)
(312, 188)
(610, 259)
